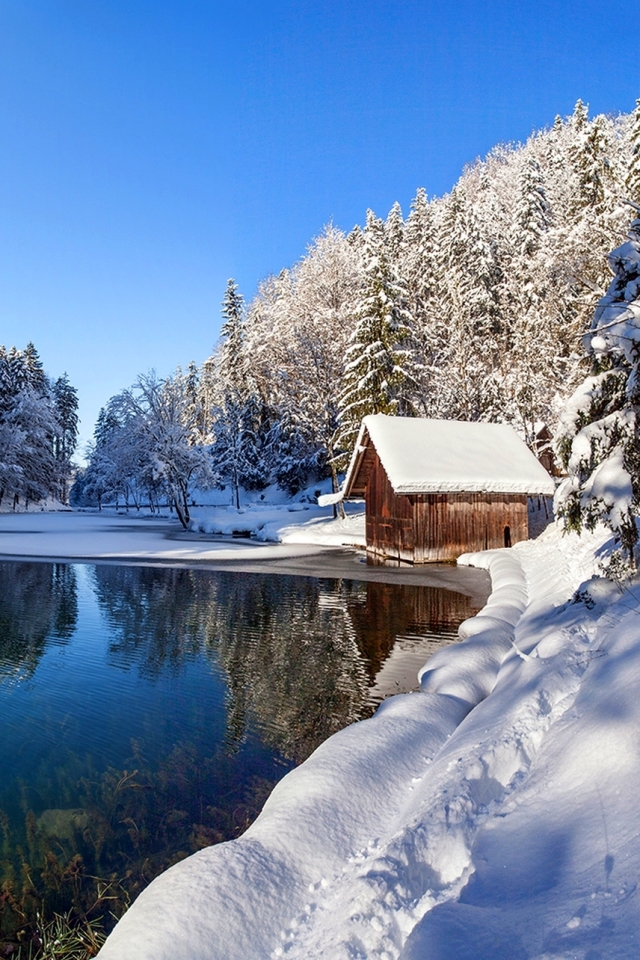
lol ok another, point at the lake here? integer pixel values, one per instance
(147, 712)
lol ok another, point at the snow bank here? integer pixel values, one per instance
(273, 517)
(488, 636)
(491, 816)
(47, 504)
(290, 523)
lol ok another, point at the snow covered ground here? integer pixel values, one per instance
(493, 815)
(42, 506)
(218, 532)
(291, 522)
(312, 548)
(129, 538)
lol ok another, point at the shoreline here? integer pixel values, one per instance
(394, 833)
(157, 543)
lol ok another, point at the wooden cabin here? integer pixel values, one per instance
(435, 489)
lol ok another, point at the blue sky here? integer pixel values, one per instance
(150, 150)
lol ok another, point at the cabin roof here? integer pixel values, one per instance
(445, 456)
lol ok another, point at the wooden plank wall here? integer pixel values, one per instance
(390, 526)
(450, 524)
(436, 527)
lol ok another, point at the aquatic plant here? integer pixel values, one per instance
(62, 938)
(81, 866)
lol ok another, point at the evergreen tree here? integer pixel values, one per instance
(33, 428)
(533, 213)
(599, 439)
(236, 451)
(34, 371)
(633, 176)
(65, 399)
(527, 365)
(195, 408)
(231, 367)
(423, 283)
(208, 397)
(472, 387)
(378, 359)
(394, 233)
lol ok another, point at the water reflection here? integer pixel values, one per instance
(161, 707)
(38, 603)
(291, 655)
(299, 653)
(384, 612)
(154, 614)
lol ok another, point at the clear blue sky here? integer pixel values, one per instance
(149, 149)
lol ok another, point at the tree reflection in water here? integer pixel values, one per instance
(299, 653)
(117, 761)
(38, 605)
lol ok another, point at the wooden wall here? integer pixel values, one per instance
(436, 527)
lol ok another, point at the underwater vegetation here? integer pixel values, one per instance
(84, 864)
(148, 713)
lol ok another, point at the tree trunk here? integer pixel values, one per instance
(181, 502)
(236, 486)
(182, 517)
(338, 508)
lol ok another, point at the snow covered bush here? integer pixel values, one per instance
(599, 435)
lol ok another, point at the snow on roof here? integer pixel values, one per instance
(450, 456)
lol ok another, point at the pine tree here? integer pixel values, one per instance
(65, 398)
(423, 282)
(231, 359)
(472, 385)
(394, 233)
(533, 213)
(195, 408)
(34, 371)
(378, 359)
(599, 439)
(32, 428)
(527, 365)
(236, 451)
(633, 176)
(589, 156)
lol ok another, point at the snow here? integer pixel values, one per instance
(328, 499)
(292, 523)
(46, 505)
(269, 526)
(491, 816)
(616, 323)
(449, 456)
(103, 536)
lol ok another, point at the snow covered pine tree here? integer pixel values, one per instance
(599, 434)
(378, 360)
(236, 451)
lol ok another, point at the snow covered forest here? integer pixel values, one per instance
(472, 307)
(38, 430)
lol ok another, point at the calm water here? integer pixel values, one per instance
(146, 713)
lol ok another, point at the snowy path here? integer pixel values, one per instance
(493, 815)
